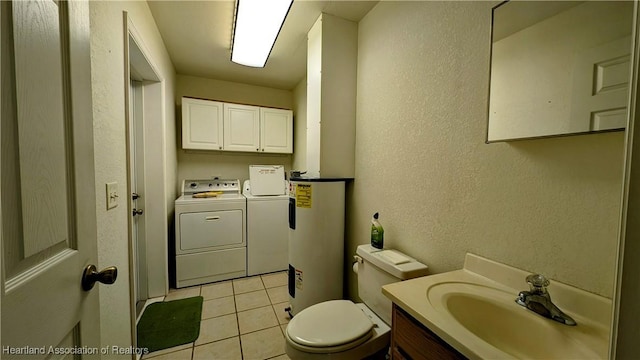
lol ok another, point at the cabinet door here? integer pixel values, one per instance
(241, 127)
(412, 340)
(202, 124)
(276, 130)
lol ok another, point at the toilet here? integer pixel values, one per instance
(341, 329)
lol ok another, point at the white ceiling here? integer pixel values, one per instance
(198, 36)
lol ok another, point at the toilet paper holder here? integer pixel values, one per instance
(358, 260)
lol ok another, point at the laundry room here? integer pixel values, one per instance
(362, 190)
(199, 163)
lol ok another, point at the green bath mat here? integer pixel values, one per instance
(167, 324)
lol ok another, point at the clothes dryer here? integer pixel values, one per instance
(210, 232)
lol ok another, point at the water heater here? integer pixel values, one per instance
(316, 241)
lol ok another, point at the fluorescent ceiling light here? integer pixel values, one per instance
(258, 23)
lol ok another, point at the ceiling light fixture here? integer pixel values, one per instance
(257, 25)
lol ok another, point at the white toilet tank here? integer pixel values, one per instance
(376, 268)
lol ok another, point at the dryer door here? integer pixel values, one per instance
(205, 230)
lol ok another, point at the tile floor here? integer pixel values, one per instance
(241, 319)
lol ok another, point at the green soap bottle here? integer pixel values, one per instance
(377, 233)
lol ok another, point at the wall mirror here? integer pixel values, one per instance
(559, 68)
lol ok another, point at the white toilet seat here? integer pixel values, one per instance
(328, 327)
(378, 341)
(327, 349)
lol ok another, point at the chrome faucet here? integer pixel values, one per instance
(538, 300)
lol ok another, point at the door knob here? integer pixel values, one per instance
(138, 212)
(91, 275)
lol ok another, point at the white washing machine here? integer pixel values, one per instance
(210, 232)
(267, 219)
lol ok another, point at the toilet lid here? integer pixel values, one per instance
(328, 324)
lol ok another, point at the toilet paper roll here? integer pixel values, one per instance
(355, 267)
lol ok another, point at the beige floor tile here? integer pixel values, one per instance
(217, 328)
(278, 294)
(263, 344)
(218, 307)
(283, 316)
(217, 290)
(176, 355)
(228, 349)
(281, 357)
(251, 300)
(275, 279)
(256, 319)
(245, 285)
(166, 351)
(175, 294)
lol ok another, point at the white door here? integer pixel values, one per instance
(601, 87)
(47, 178)
(136, 167)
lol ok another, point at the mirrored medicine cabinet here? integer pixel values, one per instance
(559, 68)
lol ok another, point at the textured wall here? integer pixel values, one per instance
(108, 81)
(299, 161)
(549, 206)
(220, 90)
(193, 164)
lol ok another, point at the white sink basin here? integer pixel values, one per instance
(492, 315)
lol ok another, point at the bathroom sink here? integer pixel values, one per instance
(511, 330)
(492, 315)
(474, 311)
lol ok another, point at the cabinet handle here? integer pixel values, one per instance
(212, 218)
(262, 149)
(220, 148)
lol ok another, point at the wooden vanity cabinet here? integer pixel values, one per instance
(412, 340)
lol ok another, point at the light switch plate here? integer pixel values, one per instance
(112, 195)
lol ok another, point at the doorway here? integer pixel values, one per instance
(136, 185)
(145, 104)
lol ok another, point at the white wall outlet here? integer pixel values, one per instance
(112, 195)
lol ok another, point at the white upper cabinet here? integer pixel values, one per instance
(241, 127)
(276, 130)
(202, 124)
(212, 125)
